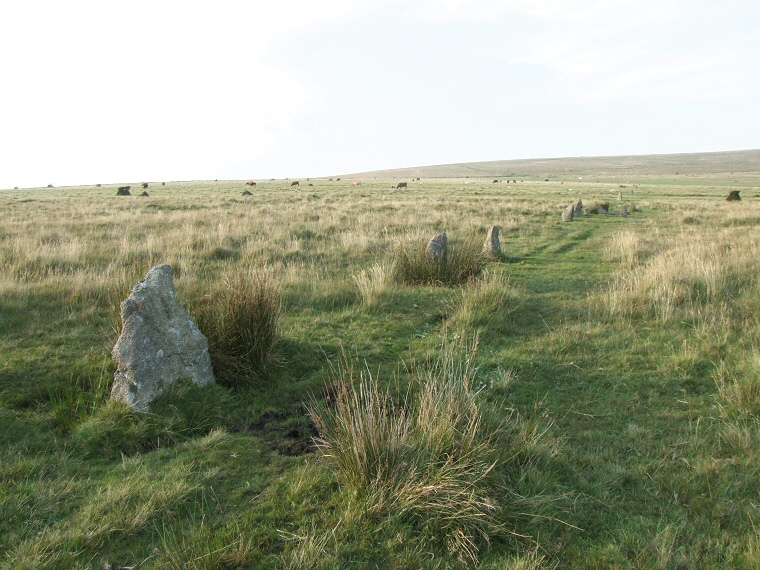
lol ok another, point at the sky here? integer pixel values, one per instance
(160, 90)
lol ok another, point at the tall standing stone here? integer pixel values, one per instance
(568, 213)
(578, 208)
(159, 343)
(624, 211)
(492, 247)
(436, 248)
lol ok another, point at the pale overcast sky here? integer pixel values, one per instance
(99, 91)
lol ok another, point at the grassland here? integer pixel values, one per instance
(611, 405)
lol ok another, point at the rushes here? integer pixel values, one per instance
(424, 458)
(241, 320)
(464, 261)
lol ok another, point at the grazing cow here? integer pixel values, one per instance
(50, 185)
(401, 185)
(337, 179)
(357, 183)
(295, 183)
(495, 181)
(250, 183)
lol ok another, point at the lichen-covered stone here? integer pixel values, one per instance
(492, 246)
(159, 343)
(437, 248)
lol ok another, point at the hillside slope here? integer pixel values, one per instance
(733, 162)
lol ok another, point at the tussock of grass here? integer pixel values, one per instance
(464, 261)
(372, 283)
(222, 254)
(241, 320)
(425, 457)
(599, 207)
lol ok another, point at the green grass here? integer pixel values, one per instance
(423, 456)
(609, 420)
(241, 319)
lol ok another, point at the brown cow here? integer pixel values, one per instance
(401, 185)
(357, 183)
(250, 183)
(295, 183)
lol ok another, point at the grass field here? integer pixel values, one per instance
(591, 399)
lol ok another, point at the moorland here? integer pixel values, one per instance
(588, 399)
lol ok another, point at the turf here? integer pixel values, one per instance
(616, 368)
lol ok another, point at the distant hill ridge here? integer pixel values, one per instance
(740, 161)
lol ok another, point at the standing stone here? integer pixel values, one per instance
(624, 211)
(436, 248)
(620, 196)
(578, 207)
(159, 343)
(568, 213)
(492, 247)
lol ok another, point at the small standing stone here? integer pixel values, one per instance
(159, 343)
(620, 196)
(436, 248)
(568, 213)
(624, 211)
(492, 247)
